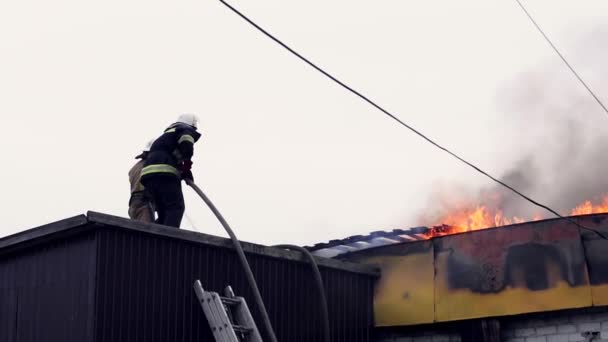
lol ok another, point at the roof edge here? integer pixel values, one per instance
(212, 240)
(42, 231)
(83, 222)
(342, 247)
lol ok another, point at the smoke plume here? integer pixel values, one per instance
(563, 133)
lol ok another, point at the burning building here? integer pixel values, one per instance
(544, 280)
(104, 278)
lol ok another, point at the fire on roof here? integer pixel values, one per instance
(535, 266)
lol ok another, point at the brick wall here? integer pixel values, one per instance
(586, 325)
(579, 325)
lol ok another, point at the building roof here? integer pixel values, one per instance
(378, 238)
(93, 220)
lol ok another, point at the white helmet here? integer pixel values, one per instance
(188, 119)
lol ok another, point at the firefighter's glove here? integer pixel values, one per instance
(187, 176)
(185, 166)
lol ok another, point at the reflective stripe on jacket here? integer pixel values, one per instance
(172, 147)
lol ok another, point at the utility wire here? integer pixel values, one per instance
(562, 56)
(366, 99)
(191, 222)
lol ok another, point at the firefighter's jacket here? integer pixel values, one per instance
(174, 146)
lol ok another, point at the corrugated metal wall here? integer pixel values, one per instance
(145, 291)
(47, 292)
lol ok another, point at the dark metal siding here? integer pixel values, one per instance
(47, 291)
(145, 291)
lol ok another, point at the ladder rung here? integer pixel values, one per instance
(229, 317)
(241, 329)
(230, 301)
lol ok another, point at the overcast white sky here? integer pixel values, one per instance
(286, 155)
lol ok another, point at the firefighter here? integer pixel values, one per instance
(168, 162)
(140, 204)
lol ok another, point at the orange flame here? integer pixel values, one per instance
(587, 207)
(477, 217)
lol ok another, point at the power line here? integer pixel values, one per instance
(191, 222)
(366, 99)
(562, 56)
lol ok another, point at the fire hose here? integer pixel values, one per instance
(251, 279)
(320, 288)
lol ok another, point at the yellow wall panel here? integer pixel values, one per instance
(531, 267)
(404, 294)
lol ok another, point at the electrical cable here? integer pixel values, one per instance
(320, 287)
(429, 140)
(243, 259)
(562, 56)
(191, 222)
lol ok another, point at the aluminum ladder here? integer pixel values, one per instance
(229, 317)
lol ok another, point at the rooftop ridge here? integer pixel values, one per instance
(378, 238)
